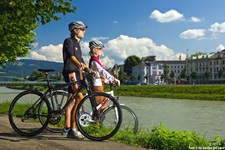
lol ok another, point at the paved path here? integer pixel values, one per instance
(10, 140)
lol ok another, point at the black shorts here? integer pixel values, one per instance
(74, 76)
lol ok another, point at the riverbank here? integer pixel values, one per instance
(192, 92)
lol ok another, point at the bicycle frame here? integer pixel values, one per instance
(83, 84)
(111, 92)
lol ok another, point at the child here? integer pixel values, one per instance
(101, 74)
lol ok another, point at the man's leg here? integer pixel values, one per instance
(73, 119)
(68, 112)
(74, 133)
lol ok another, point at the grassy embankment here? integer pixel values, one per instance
(159, 137)
(192, 92)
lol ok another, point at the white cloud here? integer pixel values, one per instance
(169, 16)
(195, 19)
(107, 62)
(99, 38)
(182, 56)
(115, 51)
(49, 53)
(123, 46)
(192, 34)
(217, 29)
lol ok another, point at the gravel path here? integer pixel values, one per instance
(10, 140)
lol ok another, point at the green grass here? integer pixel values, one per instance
(161, 138)
(195, 92)
(4, 107)
(158, 138)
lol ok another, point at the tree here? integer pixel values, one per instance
(220, 73)
(132, 78)
(162, 77)
(19, 19)
(130, 62)
(139, 77)
(172, 74)
(166, 72)
(197, 54)
(183, 74)
(207, 75)
(36, 75)
(194, 76)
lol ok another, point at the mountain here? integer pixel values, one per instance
(25, 67)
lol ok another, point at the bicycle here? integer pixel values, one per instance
(30, 116)
(130, 119)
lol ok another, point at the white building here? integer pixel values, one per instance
(208, 68)
(151, 73)
(148, 74)
(175, 66)
(212, 64)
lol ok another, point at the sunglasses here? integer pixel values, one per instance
(99, 48)
(82, 29)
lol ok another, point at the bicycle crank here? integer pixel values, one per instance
(85, 119)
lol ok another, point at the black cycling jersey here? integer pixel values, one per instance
(71, 47)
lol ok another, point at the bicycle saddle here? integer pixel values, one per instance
(46, 70)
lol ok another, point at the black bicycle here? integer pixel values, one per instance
(31, 111)
(59, 99)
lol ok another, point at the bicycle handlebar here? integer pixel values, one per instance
(113, 84)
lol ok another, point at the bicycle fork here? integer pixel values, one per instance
(114, 108)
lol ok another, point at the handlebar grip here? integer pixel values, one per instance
(89, 71)
(86, 70)
(114, 84)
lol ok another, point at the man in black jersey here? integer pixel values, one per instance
(73, 62)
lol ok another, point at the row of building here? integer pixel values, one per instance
(207, 68)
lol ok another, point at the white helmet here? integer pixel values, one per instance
(76, 24)
(95, 44)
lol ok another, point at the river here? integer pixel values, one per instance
(206, 118)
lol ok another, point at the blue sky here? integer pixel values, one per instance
(165, 28)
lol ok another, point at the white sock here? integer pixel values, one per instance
(74, 129)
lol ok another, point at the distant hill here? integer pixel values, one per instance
(25, 67)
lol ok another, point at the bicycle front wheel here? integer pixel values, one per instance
(130, 120)
(98, 126)
(25, 115)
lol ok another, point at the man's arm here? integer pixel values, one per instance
(78, 64)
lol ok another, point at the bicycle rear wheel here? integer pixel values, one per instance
(24, 113)
(101, 126)
(59, 99)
